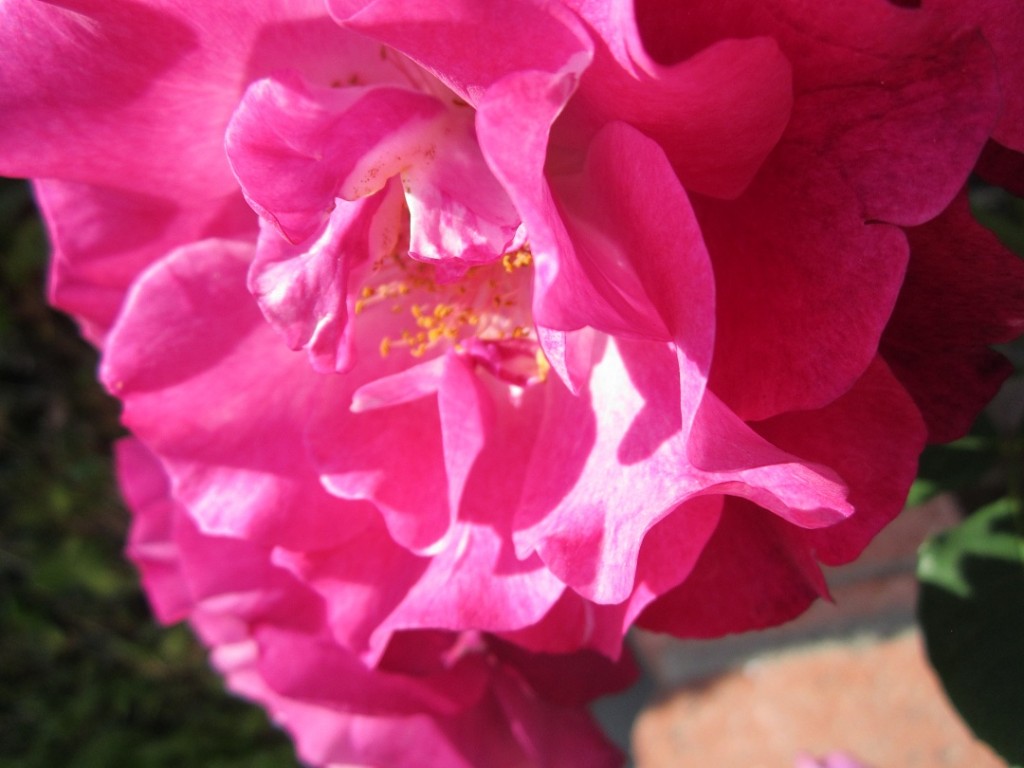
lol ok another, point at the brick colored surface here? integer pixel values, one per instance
(877, 700)
(849, 675)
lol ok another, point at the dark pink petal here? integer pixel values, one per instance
(801, 278)
(568, 678)
(901, 101)
(864, 143)
(1002, 24)
(193, 363)
(755, 572)
(716, 115)
(495, 39)
(296, 147)
(906, 144)
(855, 437)
(963, 292)
(552, 736)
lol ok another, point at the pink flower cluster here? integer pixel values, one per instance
(458, 337)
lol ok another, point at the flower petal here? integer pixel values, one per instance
(295, 147)
(950, 309)
(192, 401)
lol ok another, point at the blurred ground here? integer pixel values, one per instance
(848, 676)
(874, 698)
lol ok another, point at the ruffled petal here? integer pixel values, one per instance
(798, 255)
(296, 147)
(963, 292)
(304, 290)
(716, 115)
(193, 362)
(754, 572)
(496, 39)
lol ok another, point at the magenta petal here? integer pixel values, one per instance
(854, 436)
(102, 238)
(757, 560)
(361, 584)
(496, 38)
(549, 738)
(98, 66)
(457, 209)
(655, 268)
(716, 115)
(144, 486)
(466, 415)
(193, 403)
(326, 673)
(646, 415)
(570, 354)
(295, 147)
(595, 490)
(950, 310)
(445, 693)
(407, 385)
(398, 463)
(136, 94)
(767, 353)
(451, 594)
(303, 290)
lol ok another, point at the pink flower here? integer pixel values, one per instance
(434, 699)
(552, 317)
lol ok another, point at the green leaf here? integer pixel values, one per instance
(971, 609)
(957, 466)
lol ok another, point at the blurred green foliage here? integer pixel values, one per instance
(87, 678)
(971, 602)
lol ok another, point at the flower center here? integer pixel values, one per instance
(484, 313)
